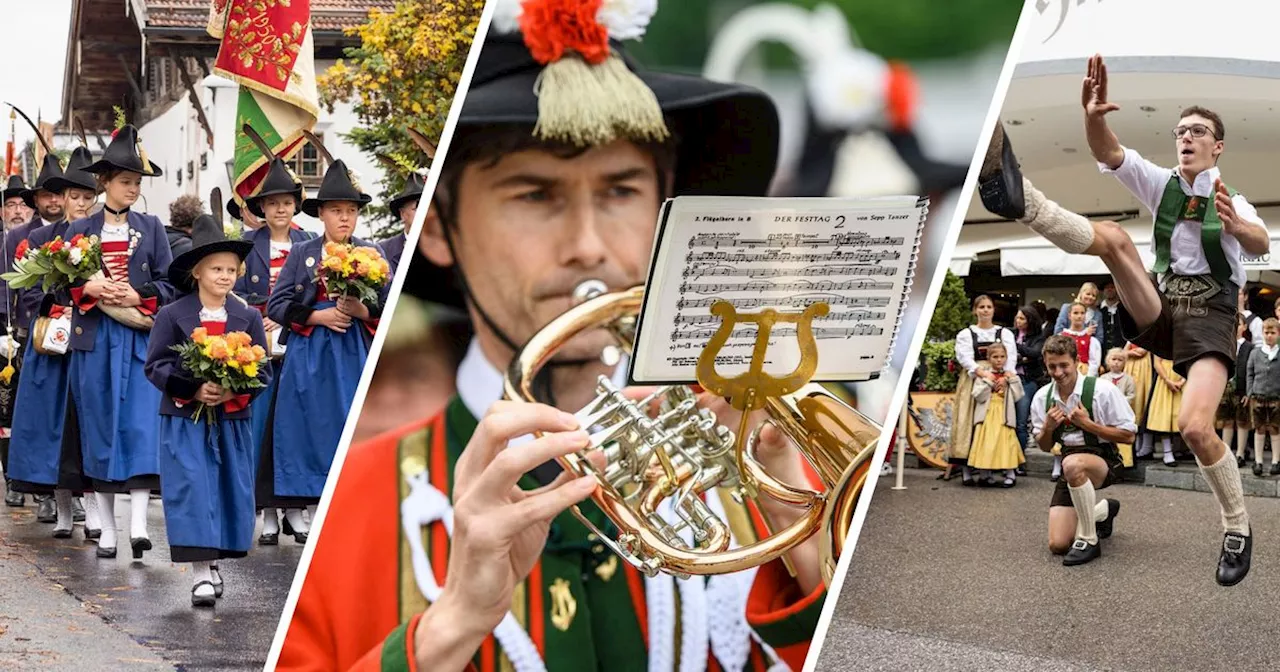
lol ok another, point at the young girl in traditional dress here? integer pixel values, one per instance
(49, 455)
(1116, 360)
(1264, 396)
(1093, 322)
(114, 401)
(971, 351)
(995, 443)
(1238, 390)
(1166, 399)
(206, 466)
(1088, 347)
(1138, 364)
(328, 342)
(277, 202)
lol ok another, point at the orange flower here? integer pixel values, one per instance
(246, 356)
(259, 353)
(218, 350)
(238, 339)
(200, 335)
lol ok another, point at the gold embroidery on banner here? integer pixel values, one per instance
(606, 569)
(563, 606)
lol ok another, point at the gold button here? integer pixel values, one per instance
(79, 330)
(598, 548)
(253, 279)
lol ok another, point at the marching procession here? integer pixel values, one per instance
(217, 379)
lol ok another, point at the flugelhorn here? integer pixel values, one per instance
(683, 452)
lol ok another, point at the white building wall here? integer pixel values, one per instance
(176, 137)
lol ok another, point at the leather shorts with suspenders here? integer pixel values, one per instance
(1092, 445)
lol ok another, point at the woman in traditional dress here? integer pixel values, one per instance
(1162, 413)
(971, 350)
(114, 402)
(206, 466)
(276, 203)
(43, 426)
(328, 342)
(1139, 367)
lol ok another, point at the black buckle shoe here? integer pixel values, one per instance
(47, 511)
(14, 499)
(1081, 552)
(1000, 180)
(140, 545)
(1105, 526)
(1237, 553)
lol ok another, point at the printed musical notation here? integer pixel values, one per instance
(856, 255)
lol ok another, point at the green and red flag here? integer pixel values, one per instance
(267, 49)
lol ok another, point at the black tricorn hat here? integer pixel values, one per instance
(279, 180)
(50, 170)
(125, 153)
(75, 174)
(15, 188)
(207, 237)
(413, 186)
(337, 186)
(728, 134)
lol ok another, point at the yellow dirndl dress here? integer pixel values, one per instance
(995, 444)
(1162, 414)
(1144, 377)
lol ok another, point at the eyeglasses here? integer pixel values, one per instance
(1196, 130)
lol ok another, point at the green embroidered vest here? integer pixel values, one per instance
(1086, 400)
(1176, 206)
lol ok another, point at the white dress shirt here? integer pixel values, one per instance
(1147, 181)
(1110, 409)
(964, 347)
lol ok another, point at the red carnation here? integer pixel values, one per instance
(22, 250)
(56, 245)
(552, 26)
(76, 239)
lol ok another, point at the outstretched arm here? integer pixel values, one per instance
(1103, 143)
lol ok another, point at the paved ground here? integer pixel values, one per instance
(954, 578)
(63, 608)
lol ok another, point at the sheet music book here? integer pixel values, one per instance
(856, 254)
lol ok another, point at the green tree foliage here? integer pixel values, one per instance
(952, 312)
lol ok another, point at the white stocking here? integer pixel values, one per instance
(138, 500)
(62, 502)
(107, 509)
(92, 521)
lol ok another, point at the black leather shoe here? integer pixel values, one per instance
(202, 600)
(1275, 469)
(300, 537)
(1000, 180)
(1257, 468)
(1105, 526)
(1233, 563)
(47, 511)
(140, 545)
(106, 552)
(12, 498)
(59, 533)
(269, 539)
(1081, 552)
(92, 533)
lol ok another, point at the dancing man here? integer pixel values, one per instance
(1186, 310)
(1087, 416)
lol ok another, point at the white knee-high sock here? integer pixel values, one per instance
(1070, 232)
(1229, 436)
(1101, 511)
(92, 521)
(1167, 442)
(1242, 441)
(1275, 442)
(1082, 498)
(107, 510)
(1259, 448)
(62, 502)
(138, 500)
(1057, 465)
(1224, 480)
(1148, 444)
(270, 522)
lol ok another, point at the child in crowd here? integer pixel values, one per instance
(1162, 413)
(1264, 395)
(1116, 360)
(995, 441)
(1138, 366)
(1088, 347)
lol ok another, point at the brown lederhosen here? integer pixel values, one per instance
(1265, 414)
(1197, 319)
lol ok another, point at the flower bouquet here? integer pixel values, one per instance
(84, 261)
(348, 270)
(55, 264)
(230, 360)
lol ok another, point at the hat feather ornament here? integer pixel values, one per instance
(586, 93)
